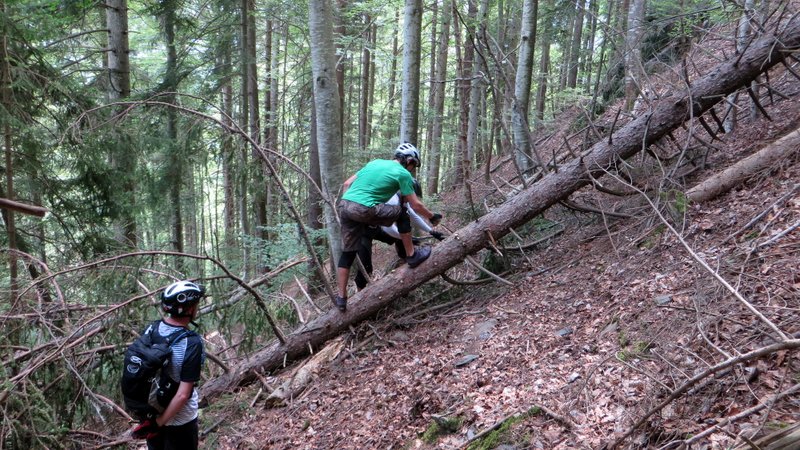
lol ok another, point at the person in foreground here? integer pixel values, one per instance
(176, 427)
(364, 203)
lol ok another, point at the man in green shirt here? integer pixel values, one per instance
(364, 204)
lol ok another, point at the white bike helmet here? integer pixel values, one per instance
(406, 152)
(178, 297)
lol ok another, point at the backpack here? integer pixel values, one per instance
(144, 359)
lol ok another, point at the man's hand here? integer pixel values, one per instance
(435, 219)
(437, 234)
(148, 429)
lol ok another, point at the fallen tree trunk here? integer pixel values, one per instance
(726, 78)
(766, 157)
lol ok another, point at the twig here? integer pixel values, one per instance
(755, 354)
(743, 414)
(708, 268)
(766, 211)
(780, 235)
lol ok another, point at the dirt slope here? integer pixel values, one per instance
(604, 321)
(611, 325)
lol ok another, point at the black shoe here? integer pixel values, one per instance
(420, 255)
(340, 303)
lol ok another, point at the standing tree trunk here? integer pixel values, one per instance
(391, 130)
(228, 155)
(363, 107)
(575, 47)
(742, 35)
(588, 45)
(544, 62)
(522, 88)
(175, 162)
(8, 144)
(122, 158)
(463, 66)
(633, 53)
(439, 88)
(315, 213)
(477, 88)
(340, 55)
(326, 102)
(409, 101)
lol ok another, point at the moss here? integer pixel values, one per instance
(653, 239)
(446, 425)
(502, 434)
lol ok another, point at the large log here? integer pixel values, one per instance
(726, 78)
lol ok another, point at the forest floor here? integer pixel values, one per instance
(603, 322)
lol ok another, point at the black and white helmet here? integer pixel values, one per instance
(179, 296)
(406, 153)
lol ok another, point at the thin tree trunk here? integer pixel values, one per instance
(176, 163)
(228, 157)
(477, 88)
(544, 62)
(522, 88)
(742, 35)
(575, 48)
(315, 213)
(340, 30)
(409, 100)
(363, 109)
(556, 186)
(391, 131)
(439, 89)
(122, 159)
(8, 144)
(588, 46)
(431, 77)
(634, 77)
(464, 65)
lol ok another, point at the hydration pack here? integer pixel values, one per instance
(144, 360)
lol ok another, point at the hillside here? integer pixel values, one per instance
(604, 321)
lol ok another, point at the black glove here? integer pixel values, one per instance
(148, 429)
(437, 234)
(435, 219)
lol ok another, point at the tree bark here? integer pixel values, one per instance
(556, 186)
(409, 101)
(477, 91)
(439, 88)
(633, 53)
(769, 156)
(522, 87)
(363, 107)
(575, 47)
(326, 101)
(390, 130)
(544, 61)
(122, 159)
(6, 82)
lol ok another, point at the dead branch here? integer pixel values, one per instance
(755, 354)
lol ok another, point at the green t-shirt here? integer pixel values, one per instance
(378, 181)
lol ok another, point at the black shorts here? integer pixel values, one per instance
(356, 217)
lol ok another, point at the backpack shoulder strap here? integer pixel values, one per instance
(177, 335)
